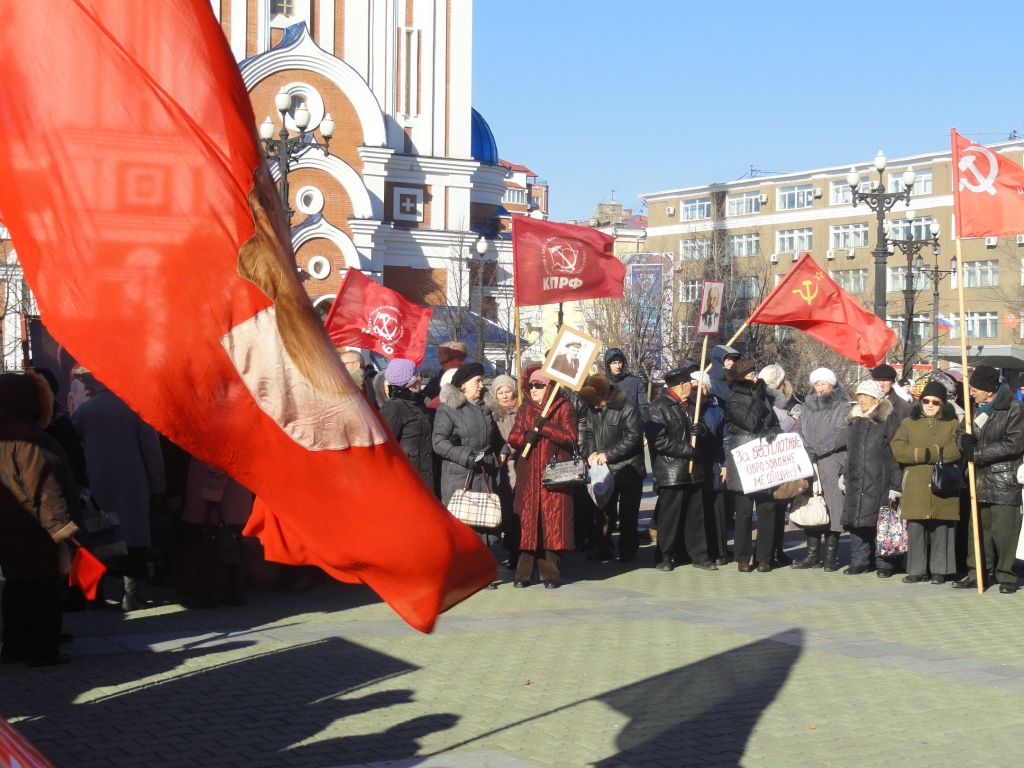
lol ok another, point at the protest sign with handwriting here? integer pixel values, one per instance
(763, 465)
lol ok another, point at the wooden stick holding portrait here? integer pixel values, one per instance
(710, 319)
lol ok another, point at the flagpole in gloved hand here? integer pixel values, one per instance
(543, 415)
(700, 390)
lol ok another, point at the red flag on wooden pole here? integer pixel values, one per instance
(553, 263)
(367, 315)
(86, 572)
(988, 191)
(151, 235)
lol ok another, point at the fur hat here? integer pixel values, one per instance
(400, 372)
(985, 378)
(595, 389)
(872, 388)
(503, 381)
(772, 375)
(466, 372)
(935, 389)
(884, 371)
(947, 381)
(740, 368)
(451, 350)
(823, 374)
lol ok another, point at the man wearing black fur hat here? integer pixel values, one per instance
(996, 447)
(678, 472)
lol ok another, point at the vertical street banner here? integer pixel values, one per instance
(149, 229)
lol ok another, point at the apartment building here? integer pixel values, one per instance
(525, 193)
(753, 229)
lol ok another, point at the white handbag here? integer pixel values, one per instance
(812, 512)
(476, 509)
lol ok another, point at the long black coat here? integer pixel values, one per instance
(617, 431)
(409, 422)
(750, 416)
(999, 451)
(461, 430)
(668, 439)
(871, 468)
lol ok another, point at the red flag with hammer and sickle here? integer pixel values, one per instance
(988, 191)
(808, 299)
(150, 232)
(367, 315)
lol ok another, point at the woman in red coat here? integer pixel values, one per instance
(545, 513)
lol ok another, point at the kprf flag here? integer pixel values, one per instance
(86, 572)
(367, 315)
(808, 299)
(562, 262)
(152, 236)
(988, 191)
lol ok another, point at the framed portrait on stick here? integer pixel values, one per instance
(711, 296)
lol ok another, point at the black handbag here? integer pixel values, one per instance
(219, 542)
(566, 473)
(947, 479)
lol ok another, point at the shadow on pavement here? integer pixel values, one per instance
(702, 713)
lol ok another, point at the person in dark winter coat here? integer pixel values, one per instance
(885, 376)
(545, 514)
(465, 435)
(996, 446)
(407, 417)
(614, 435)
(713, 448)
(722, 359)
(506, 394)
(615, 366)
(872, 476)
(678, 472)
(751, 417)
(931, 518)
(823, 428)
(38, 500)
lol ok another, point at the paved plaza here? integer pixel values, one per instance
(621, 666)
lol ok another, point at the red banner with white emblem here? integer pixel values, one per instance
(17, 752)
(367, 315)
(988, 191)
(563, 262)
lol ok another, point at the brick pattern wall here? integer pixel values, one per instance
(421, 286)
(337, 203)
(331, 252)
(389, 197)
(251, 28)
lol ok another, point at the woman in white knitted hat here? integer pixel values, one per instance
(823, 427)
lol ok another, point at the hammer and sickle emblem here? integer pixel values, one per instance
(805, 292)
(982, 182)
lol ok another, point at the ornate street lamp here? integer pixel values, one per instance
(881, 202)
(915, 265)
(481, 249)
(285, 148)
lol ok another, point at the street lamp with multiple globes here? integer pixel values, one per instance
(881, 202)
(284, 148)
(912, 248)
(482, 247)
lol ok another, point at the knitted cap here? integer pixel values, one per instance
(935, 389)
(872, 388)
(503, 381)
(985, 378)
(772, 375)
(400, 372)
(823, 374)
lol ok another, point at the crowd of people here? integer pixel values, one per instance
(67, 474)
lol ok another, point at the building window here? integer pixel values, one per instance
(922, 184)
(687, 332)
(850, 236)
(515, 196)
(694, 250)
(981, 274)
(282, 7)
(899, 229)
(745, 245)
(794, 240)
(851, 280)
(689, 291)
(919, 331)
(697, 209)
(535, 202)
(980, 325)
(742, 203)
(744, 288)
(897, 279)
(796, 197)
(841, 192)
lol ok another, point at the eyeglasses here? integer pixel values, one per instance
(931, 401)
(538, 385)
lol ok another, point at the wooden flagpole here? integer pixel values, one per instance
(544, 414)
(979, 554)
(727, 344)
(519, 355)
(700, 391)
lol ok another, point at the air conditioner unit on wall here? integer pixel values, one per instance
(775, 258)
(991, 242)
(670, 210)
(795, 255)
(851, 253)
(1020, 239)
(830, 254)
(817, 193)
(764, 199)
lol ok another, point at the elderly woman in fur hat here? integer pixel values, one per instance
(872, 477)
(931, 519)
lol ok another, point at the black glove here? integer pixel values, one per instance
(531, 438)
(967, 443)
(539, 422)
(479, 458)
(811, 455)
(771, 434)
(698, 430)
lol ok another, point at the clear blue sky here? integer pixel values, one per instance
(641, 96)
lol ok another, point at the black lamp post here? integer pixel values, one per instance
(284, 148)
(915, 264)
(481, 250)
(881, 202)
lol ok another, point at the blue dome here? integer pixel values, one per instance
(484, 148)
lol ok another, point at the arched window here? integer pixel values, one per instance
(282, 7)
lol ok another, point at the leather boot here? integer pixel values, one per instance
(131, 600)
(832, 552)
(811, 559)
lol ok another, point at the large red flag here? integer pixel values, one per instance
(151, 234)
(367, 315)
(562, 262)
(988, 191)
(808, 299)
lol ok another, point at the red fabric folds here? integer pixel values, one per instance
(988, 191)
(86, 572)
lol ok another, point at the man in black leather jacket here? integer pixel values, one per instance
(678, 472)
(614, 435)
(996, 447)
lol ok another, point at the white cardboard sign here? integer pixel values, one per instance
(763, 465)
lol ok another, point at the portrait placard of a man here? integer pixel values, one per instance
(711, 307)
(568, 362)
